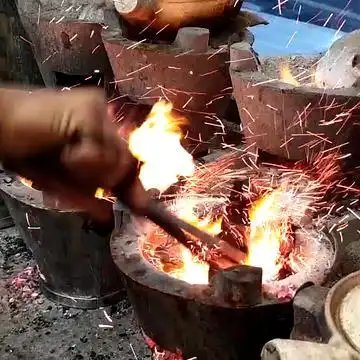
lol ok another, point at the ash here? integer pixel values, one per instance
(34, 328)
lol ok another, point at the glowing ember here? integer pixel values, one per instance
(160, 354)
(185, 208)
(157, 144)
(26, 182)
(286, 75)
(269, 230)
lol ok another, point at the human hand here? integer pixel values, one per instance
(76, 127)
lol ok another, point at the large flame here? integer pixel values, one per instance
(286, 76)
(156, 143)
(269, 230)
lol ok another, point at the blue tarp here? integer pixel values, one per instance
(284, 36)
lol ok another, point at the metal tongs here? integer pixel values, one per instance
(179, 229)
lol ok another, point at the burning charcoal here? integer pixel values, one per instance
(285, 271)
(240, 285)
(286, 247)
(160, 354)
(235, 235)
(238, 204)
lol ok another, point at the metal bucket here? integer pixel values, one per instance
(72, 254)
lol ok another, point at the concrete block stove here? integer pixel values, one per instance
(218, 314)
(67, 44)
(284, 113)
(182, 63)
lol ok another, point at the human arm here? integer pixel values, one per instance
(67, 143)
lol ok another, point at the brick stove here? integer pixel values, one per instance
(67, 44)
(70, 53)
(187, 66)
(294, 120)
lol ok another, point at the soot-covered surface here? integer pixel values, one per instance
(34, 328)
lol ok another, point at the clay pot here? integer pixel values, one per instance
(176, 13)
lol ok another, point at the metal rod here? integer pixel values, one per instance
(158, 214)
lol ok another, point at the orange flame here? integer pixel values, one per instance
(269, 229)
(156, 143)
(100, 193)
(194, 271)
(286, 76)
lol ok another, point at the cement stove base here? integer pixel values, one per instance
(181, 317)
(206, 332)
